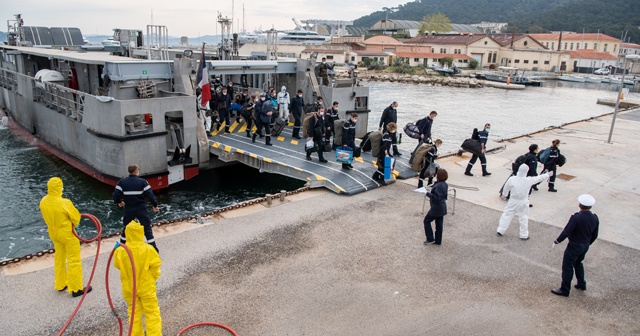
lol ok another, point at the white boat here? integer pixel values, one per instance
(572, 78)
(616, 80)
(513, 75)
(592, 79)
(301, 36)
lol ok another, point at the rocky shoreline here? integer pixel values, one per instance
(460, 82)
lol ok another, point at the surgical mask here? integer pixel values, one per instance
(354, 120)
(487, 130)
(321, 113)
(300, 95)
(262, 98)
(224, 92)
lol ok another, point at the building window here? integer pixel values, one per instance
(577, 46)
(546, 62)
(614, 47)
(375, 59)
(526, 61)
(353, 58)
(535, 62)
(516, 61)
(494, 57)
(565, 46)
(547, 44)
(595, 46)
(553, 45)
(586, 45)
(525, 43)
(605, 48)
(489, 58)
(416, 60)
(571, 45)
(329, 57)
(433, 50)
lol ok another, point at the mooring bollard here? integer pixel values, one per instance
(269, 200)
(283, 193)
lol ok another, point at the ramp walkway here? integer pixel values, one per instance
(287, 157)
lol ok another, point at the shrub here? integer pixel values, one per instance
(447, 60)
(473, 64)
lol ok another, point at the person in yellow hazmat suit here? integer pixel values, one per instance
(147, 262)
(61, 216)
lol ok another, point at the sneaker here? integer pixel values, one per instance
(526, 238)
(81, 292)
(426, 242)
(468, 174)
(535, 188)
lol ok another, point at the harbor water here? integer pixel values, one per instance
(25, 169)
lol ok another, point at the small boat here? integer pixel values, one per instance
(572, 78)
(513, 75)
(615, 80)
(592, 79)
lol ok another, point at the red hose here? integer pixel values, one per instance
(95, 263)
(134, 289)
(208, 324)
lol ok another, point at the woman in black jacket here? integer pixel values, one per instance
(438, 200)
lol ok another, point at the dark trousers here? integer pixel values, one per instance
(552, 179)
(318, 147)
(423, 175)
(143, 217)
(474, 158)
(249, 121)
(224, 116)
(573, 257)
(260, 125)
(296, 124)
(429, 232)
(394, 142)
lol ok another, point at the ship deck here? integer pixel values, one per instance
(287, 157)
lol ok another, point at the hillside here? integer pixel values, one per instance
(611, 16)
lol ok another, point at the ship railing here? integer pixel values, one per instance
(59, 98)
(8, 79)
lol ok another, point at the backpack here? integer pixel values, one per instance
(305, 124)
(412, 130)
(418, 156)
(544, 155)
(518, 162)
(376, 142)
(308, 108)
(338, 128)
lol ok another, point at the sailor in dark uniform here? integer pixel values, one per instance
(551, 163)
(582, 231)
(349, 136)
(385, 150)
(483, 135)
(133, 190)
(390, 115)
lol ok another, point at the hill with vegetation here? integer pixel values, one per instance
(611, 17)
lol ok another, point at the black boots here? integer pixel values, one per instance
(81, 292)
(248, 133)
(268, 141)
(253, 138)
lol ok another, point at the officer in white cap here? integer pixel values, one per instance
(582, 231)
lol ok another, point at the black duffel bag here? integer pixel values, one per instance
(472, 146)
(412, 131)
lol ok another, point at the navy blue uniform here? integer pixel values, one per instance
(331, 116)
(224, 107)
(390, 114)
(349, 137)
(134, 190)
(296, 105)
(424, 125)
(582, 231)
(483, 137)
(550, 165)
(438, 200)
(430, 158)
(385, 150)
(317, 131)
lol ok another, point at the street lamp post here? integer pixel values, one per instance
(615, 111)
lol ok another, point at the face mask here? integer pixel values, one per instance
(321, 113)
(354, 120)
(263, 98)
(300, 95)
(487, 130)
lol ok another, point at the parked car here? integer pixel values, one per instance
(601, 71)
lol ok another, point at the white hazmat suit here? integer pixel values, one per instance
(518, 204)
(283, 103)
(204, 113)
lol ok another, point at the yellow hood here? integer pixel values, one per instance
(55, 187)
(135, 233)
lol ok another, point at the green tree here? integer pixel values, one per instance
(536, 30)
(437, 22)
(473, 64)
(446, 60)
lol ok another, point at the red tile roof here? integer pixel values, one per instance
(631, 45)
(370, 53)
(590, 54)
(575, 37)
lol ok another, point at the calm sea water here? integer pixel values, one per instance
(25, 169)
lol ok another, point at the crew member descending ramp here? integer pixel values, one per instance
(287, 157)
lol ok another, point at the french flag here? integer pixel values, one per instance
(203, 80)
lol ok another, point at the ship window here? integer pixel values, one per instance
(362, 103)
(136, 123)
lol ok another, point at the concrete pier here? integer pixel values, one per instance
(319, 263)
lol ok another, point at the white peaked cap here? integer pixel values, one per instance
(586, 200)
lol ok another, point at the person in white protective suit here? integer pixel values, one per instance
(283, 103)
(518, 204)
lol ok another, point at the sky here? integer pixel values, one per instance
(190, 18)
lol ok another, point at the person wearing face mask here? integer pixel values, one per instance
(224, 105)
(319, 103)
(316, 132)
(332, 116)
(283, 103)
(483, 136)
(349, 136)
(247, 112)
(297, 103)
(264, 115)
(390, 115)
(385, 150)
(430, 158)
(321, 71)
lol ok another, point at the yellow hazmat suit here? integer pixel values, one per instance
(61, 217)
(147, 262)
